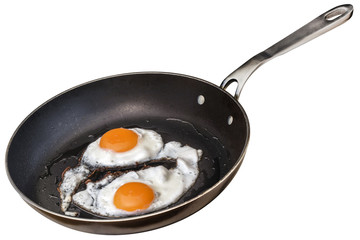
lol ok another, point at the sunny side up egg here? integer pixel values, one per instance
(128, 147)
(123, 147)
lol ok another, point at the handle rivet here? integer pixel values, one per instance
(201, 99)
(230, 120)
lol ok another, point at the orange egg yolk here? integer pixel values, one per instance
(119, 140)
(133, 196)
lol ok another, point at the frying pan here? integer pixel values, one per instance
(179, 107)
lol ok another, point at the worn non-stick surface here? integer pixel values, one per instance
(53, 136)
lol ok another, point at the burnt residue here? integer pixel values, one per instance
(166, 162)
(100, 173)
(210, 165)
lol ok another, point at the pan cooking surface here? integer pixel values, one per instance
(211, 165)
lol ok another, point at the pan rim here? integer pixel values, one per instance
(152, 214)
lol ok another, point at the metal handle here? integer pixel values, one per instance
(313, 29)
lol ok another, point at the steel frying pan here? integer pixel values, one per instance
(204, 116)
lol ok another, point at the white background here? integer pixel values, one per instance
(301, 175)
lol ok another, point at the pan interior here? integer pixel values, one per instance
(180, 108)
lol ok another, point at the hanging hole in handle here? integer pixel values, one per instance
(335, 14)
(234, 88)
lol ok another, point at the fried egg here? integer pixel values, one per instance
(123, 147)
(143, 191)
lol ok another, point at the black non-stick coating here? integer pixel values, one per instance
(53, 136)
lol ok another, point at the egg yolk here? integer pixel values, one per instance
(133, 196)
(119, 140)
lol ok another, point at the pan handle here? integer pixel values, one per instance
(313, 29)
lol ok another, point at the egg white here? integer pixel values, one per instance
(71, 179)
